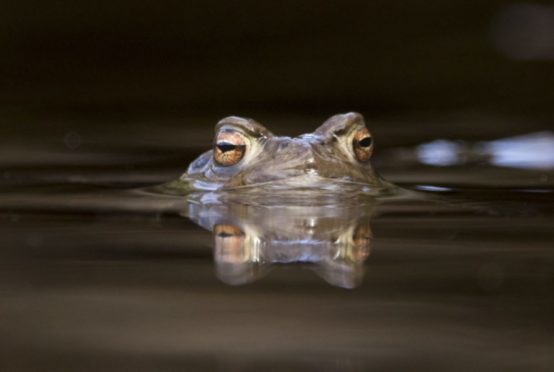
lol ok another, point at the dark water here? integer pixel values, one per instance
(97, 274)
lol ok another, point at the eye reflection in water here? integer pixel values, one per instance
(251, 240)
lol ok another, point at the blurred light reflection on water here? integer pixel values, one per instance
(531, 151)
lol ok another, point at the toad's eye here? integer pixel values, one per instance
(229, 244)
(362, 145)
(229, 148)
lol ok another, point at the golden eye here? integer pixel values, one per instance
(229, 244)
(361, 242)
(362, 144)
(229, 148)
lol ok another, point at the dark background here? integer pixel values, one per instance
(215, 58)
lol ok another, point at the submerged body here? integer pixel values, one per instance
(335, 157)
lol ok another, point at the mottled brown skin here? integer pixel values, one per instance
(245, 154)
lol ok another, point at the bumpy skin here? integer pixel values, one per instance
(323, 159)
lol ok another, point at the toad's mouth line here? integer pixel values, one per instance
(303, 184)
(300, 182)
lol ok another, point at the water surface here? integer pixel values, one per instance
(97, 274)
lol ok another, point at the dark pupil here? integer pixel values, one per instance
(226, 146)
(366, 142)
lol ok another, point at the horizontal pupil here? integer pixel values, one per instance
(226, 146)
(366, 142)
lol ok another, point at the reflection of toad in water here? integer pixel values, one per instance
(249, 240)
